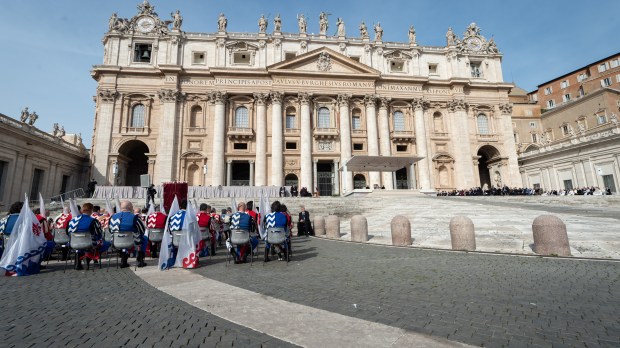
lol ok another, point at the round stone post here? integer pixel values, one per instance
(319, 226)
(332, 226)
(401, 231)
(462, 233)
(550, 236)
(359, 229)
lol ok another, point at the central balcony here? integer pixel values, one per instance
(325, 133)
(243, 133)
(402, 136)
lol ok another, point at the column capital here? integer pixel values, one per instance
(304, 98)
(419, 103)
(229, 161)
(370, 100)
(251, 161)
(457, 105)
(261, 98)
(506, 109)
(343, 99)
(170, 95)
(276, 97)
(218, 97)
(336, 161)
(107, 95)
(384, 102)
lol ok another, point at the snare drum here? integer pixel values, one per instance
(156, 234)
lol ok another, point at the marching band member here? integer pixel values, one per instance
(126, 221)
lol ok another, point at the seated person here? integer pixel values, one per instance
(45, 226)
(241, 220)
(61, 223)
(87, 223)
(126, 221)
(204, 224)
(276, 219)
(157, 221)
(8, 223)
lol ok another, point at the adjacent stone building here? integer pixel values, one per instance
(278, 108)
(33, 161)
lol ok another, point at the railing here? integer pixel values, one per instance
(195, 130)
(39, 133)
(325, 132)
(487, 137)
(291, 130)
(140, 130)
(440, 134)
(240, 183)
(77, 193)
(402, 135)
(358, 132)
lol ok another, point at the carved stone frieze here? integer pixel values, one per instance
(218, 97)
(304, 98)
(370, 100)
(420, 103)
(384, 102)
(457, 105)
(276, 97)
(170, 95)
(107, 95)
(506, 109)
(261, 98)
(343, 99)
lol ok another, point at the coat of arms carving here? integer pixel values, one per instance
(324, 63)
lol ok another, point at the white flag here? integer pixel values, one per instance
(118, 205)
(186, 255)
(26, 244)
(73, 207)
(161, 206)
(108, 207)
(165, 253)
(41, 205)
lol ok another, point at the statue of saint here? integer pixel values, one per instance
(33, 118)
(498, 179)
(262, 24)
(492, 47)
(582, 128)
(451, 37)
(301, 22)
(277, 23)
(112, 22)
(177, 20)
(613, 119)
(55, 130)
(363, 31)
(378, 32)
(412, 35)
(323, 24)
(25, 115)
(222, 22)
(340, 25)
(61, 132)
(472, 30)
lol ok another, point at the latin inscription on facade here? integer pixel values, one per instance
(325, 145)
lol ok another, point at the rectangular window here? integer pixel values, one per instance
(290, 121)
(606, 82)
(534, 137)
(396, 66)
(564, 84)
(602, 67)
(608, 181)
(241, 58)
(401, 148)
(548, 90)
(198, 58)
(566, 97)
(516, 137)
(65, 183)
(3, 180)
(601, 119)
(528, 112)
(289, 55)
(37, 178)
(476, 70)
(533, 124)
(291, 145)
(565, 129)
(618, 78)
(534, 97)
(568, 184)
(356, 122)
(240, 146)
(358, 147)
(580, 91)
(142, 53)
(614, 63)
(432, 69)
(550, 104)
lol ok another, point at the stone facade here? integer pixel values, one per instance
(33, 161)
(228, 108)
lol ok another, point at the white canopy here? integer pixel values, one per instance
(379, 163)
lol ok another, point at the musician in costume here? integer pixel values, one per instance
(8, 223)
(276, 219)
(85, 222)
(62, 223)
(126, 221)
(242, 220)
(47, 232)
(204, 224)
(156, 223)
(183, 226)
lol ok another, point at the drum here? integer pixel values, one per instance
(156, 234)
(276, 235)
(61, 236)
(239, 237)
(176, 237)
(204, 233)
(123, 240)
(81, 241)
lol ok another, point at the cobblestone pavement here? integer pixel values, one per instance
(108, 309)
(479, 299)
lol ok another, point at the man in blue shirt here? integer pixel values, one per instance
(276, 219)
(241, 220)
(126, 221)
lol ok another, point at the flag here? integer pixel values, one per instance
(26, 246)
(73, 208)
(151, 211)
(265, 208)
(187, 256)
(161, 206)
(118, 205)
(62, 202)
(41, 205)
(166, 259)
(108, 206)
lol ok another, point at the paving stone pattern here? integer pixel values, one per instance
(479, 299)
(109, 309)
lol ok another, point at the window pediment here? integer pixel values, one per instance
(397, 55)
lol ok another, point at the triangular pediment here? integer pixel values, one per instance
(323, 61)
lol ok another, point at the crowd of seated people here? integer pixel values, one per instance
(526, 191)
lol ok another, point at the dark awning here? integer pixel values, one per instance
(379, 163)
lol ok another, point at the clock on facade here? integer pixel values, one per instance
(473, 44)
(145, 24)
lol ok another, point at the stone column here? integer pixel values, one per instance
(336, 177)
(345, 139)
(413, 184)
(373, 139)
(228, 172)
(306, 141)
(316, 174)
(166, 142)
(101, 143)
(420, 140)
(385, 144)
(277, 160)
(462, 148)
(512, 169)
(261, 140)
(219, 136)
(252, 181)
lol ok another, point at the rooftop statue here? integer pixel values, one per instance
(363, 31)
(411, 35)
(378, 32)
(146, 8)
(222, 22)
(301, 22)
(323, 23)
(277, 23)
(177, 20)
(262, 24)
(33, 118)
(451, 38)
(340, 25)
(25, 115)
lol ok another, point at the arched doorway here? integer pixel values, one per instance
(359, 181)
(402, 179)
(488, 155)
(134, 161)
(290, 180)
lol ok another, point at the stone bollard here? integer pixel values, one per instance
(462, 233)
(319, 225)
(359, 229)
(550, 236)
(401, 231)
(332, 227)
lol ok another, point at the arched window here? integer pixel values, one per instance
(242, 119)
(483, 124)
(438, 122)
(324, 121)
(290, 118)
(399, 121)
(356, 119)
(137, 116)
(359, 181)
(195, 117)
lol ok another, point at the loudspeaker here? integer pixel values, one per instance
(145, 180)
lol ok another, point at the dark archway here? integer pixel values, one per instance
(402, 179)
(359, 181)
(133, 153)
(290, 180)
(240, 175)
(488, 154)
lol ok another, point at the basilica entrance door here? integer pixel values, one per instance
(240, 174)
(402, 179)
(134, 152)
(325, 178)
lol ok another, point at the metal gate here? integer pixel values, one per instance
(325, 180)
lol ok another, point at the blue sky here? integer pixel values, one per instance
(47, 48)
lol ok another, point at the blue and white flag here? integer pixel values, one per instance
(187, 255)
(166, 256)
(26, 245)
